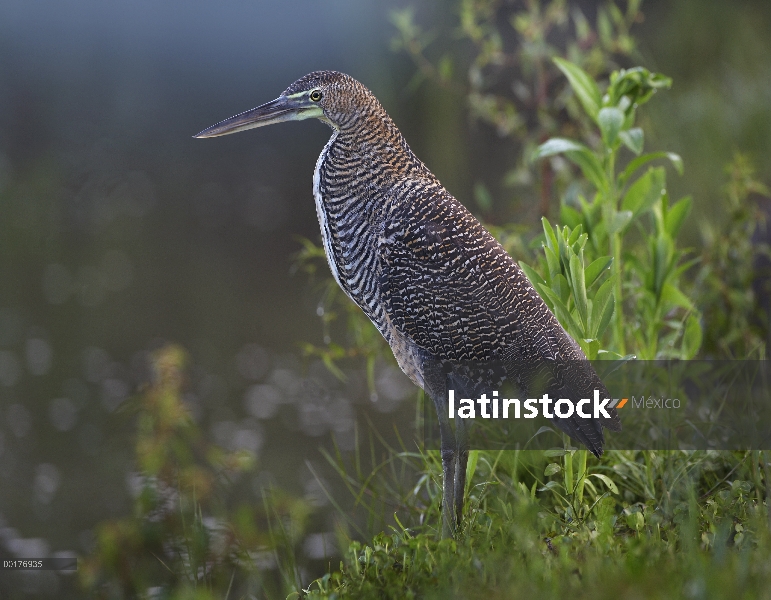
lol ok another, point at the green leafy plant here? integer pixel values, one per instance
(508, 79)
(630, 217)
(579, 294)
(643, 528)
(734, 271)
(183, 540)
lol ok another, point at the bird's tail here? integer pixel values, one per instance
(573, 380)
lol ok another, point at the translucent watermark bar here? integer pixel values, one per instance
(661, 405)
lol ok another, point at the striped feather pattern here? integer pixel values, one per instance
(436, 284)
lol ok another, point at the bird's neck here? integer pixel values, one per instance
(375, 147)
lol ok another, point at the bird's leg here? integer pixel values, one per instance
(447, 448)
(461, 453)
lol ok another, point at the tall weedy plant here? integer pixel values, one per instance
(627, 223)
(615, 264)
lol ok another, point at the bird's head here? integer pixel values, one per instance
(335, 98)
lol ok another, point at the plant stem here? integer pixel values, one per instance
(615, 251)
(618, 313)
(568, 460)
(757, 460)
(581, 476)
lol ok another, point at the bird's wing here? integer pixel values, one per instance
(451, 288)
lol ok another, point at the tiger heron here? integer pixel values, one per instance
(439, 288)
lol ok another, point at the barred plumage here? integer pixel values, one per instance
(436, 284)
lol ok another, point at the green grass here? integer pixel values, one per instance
(666, 525)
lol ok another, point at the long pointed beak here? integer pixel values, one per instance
(281, 109)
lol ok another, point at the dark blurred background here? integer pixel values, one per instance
(119, 232)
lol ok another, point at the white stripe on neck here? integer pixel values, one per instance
(321, 213)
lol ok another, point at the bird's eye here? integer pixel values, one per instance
(315, 95)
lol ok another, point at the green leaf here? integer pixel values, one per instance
(554, 452)
(609, 355)
(551, 485)
(590, 166)
(683, 267)
(574, 235)
(579, 290)
(471, 467)
(616, 15)
(644, 192)
(445, 68)
(606, 316)
(603, 304)
(590, 347)
(635, 521)
(646, 158)
(594, 270)
(607, 481)
(560, 311)
(570, 216)
(563, 253)
(557, 146)
(329, 363)
(676, 215)
(583, 85)
(551, 238)
(552, 262)
(531, 274)
(610, 120)
(633, 139)
(541, 289)
(659, 210)
(560, 285)
(672, 295)
(590, 486)
(604, 28)
(578, 246)
(692, 337)
(619, 220)
(638, 84)
(605, 290)
(676, 161)
(661, 263)
(551, 469)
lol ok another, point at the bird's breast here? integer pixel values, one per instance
(349, 208)
(321, 211)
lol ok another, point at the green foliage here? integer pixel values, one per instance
(510, 82)
(639, 529)
(630, 218)
(183, 539)
(734, 268)
(580, 296)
